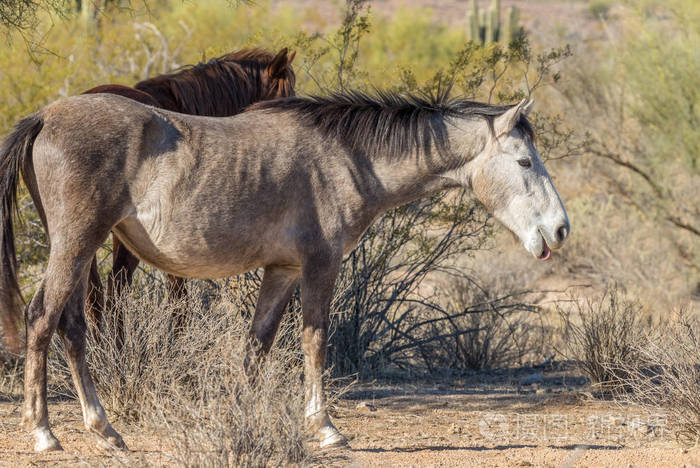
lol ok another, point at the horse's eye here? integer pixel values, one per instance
(524, 162)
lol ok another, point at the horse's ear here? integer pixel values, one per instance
(278, 66)
(291, 56)
(507, 121)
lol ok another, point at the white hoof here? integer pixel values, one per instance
(331, 438)
(45, 441)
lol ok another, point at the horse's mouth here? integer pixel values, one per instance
(546, 251)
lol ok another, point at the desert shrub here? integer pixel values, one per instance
(482, 330)
(597, 332)
(191, 389)
(385, 313)
(378, 291)
(666, 376)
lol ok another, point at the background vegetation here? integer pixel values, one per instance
(434, 287)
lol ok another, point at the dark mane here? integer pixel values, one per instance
(221, 87)
(386, 122)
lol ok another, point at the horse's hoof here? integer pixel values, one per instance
(109, 439)
(46, 441)
(113, 442)
(331, 438)
(119, 444)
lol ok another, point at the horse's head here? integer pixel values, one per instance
(278, 78)
(509, 178)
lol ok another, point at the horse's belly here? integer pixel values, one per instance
(209, 249)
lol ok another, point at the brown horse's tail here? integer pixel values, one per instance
(15, 152)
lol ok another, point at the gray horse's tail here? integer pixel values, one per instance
(15, 153)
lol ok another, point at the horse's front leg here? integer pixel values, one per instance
(277, 288)
(318, 278)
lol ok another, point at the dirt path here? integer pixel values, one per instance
(498, 427)
(484, 420)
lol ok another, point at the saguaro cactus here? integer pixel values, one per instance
(485, 27)
(511, 30)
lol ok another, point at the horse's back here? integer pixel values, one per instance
(121, 90)
(90, 115)
(92, 125)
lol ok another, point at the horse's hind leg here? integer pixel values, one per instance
(40, 327)
(125, 264)
(71, 328)
(123, 268)
(42, 316)
(66, 269)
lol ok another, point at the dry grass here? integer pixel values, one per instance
(597, 332)
(191, 389)
(666, 376)
(11, 368)
(629, 358)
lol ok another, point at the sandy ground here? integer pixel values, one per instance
(483, 420)
(506, 428)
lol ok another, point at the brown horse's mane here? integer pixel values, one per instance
(221, 87)
(386, 122)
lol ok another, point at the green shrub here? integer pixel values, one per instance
(599, 9)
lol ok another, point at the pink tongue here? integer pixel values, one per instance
(546, 253)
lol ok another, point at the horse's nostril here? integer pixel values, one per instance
(562, 232)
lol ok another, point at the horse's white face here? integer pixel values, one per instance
(509, 178)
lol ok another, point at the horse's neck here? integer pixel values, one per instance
(420, 174)
(406, 179)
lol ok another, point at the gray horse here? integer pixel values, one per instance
(289, 186)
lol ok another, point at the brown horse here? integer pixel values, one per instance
(289, 186)
(221, 87)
